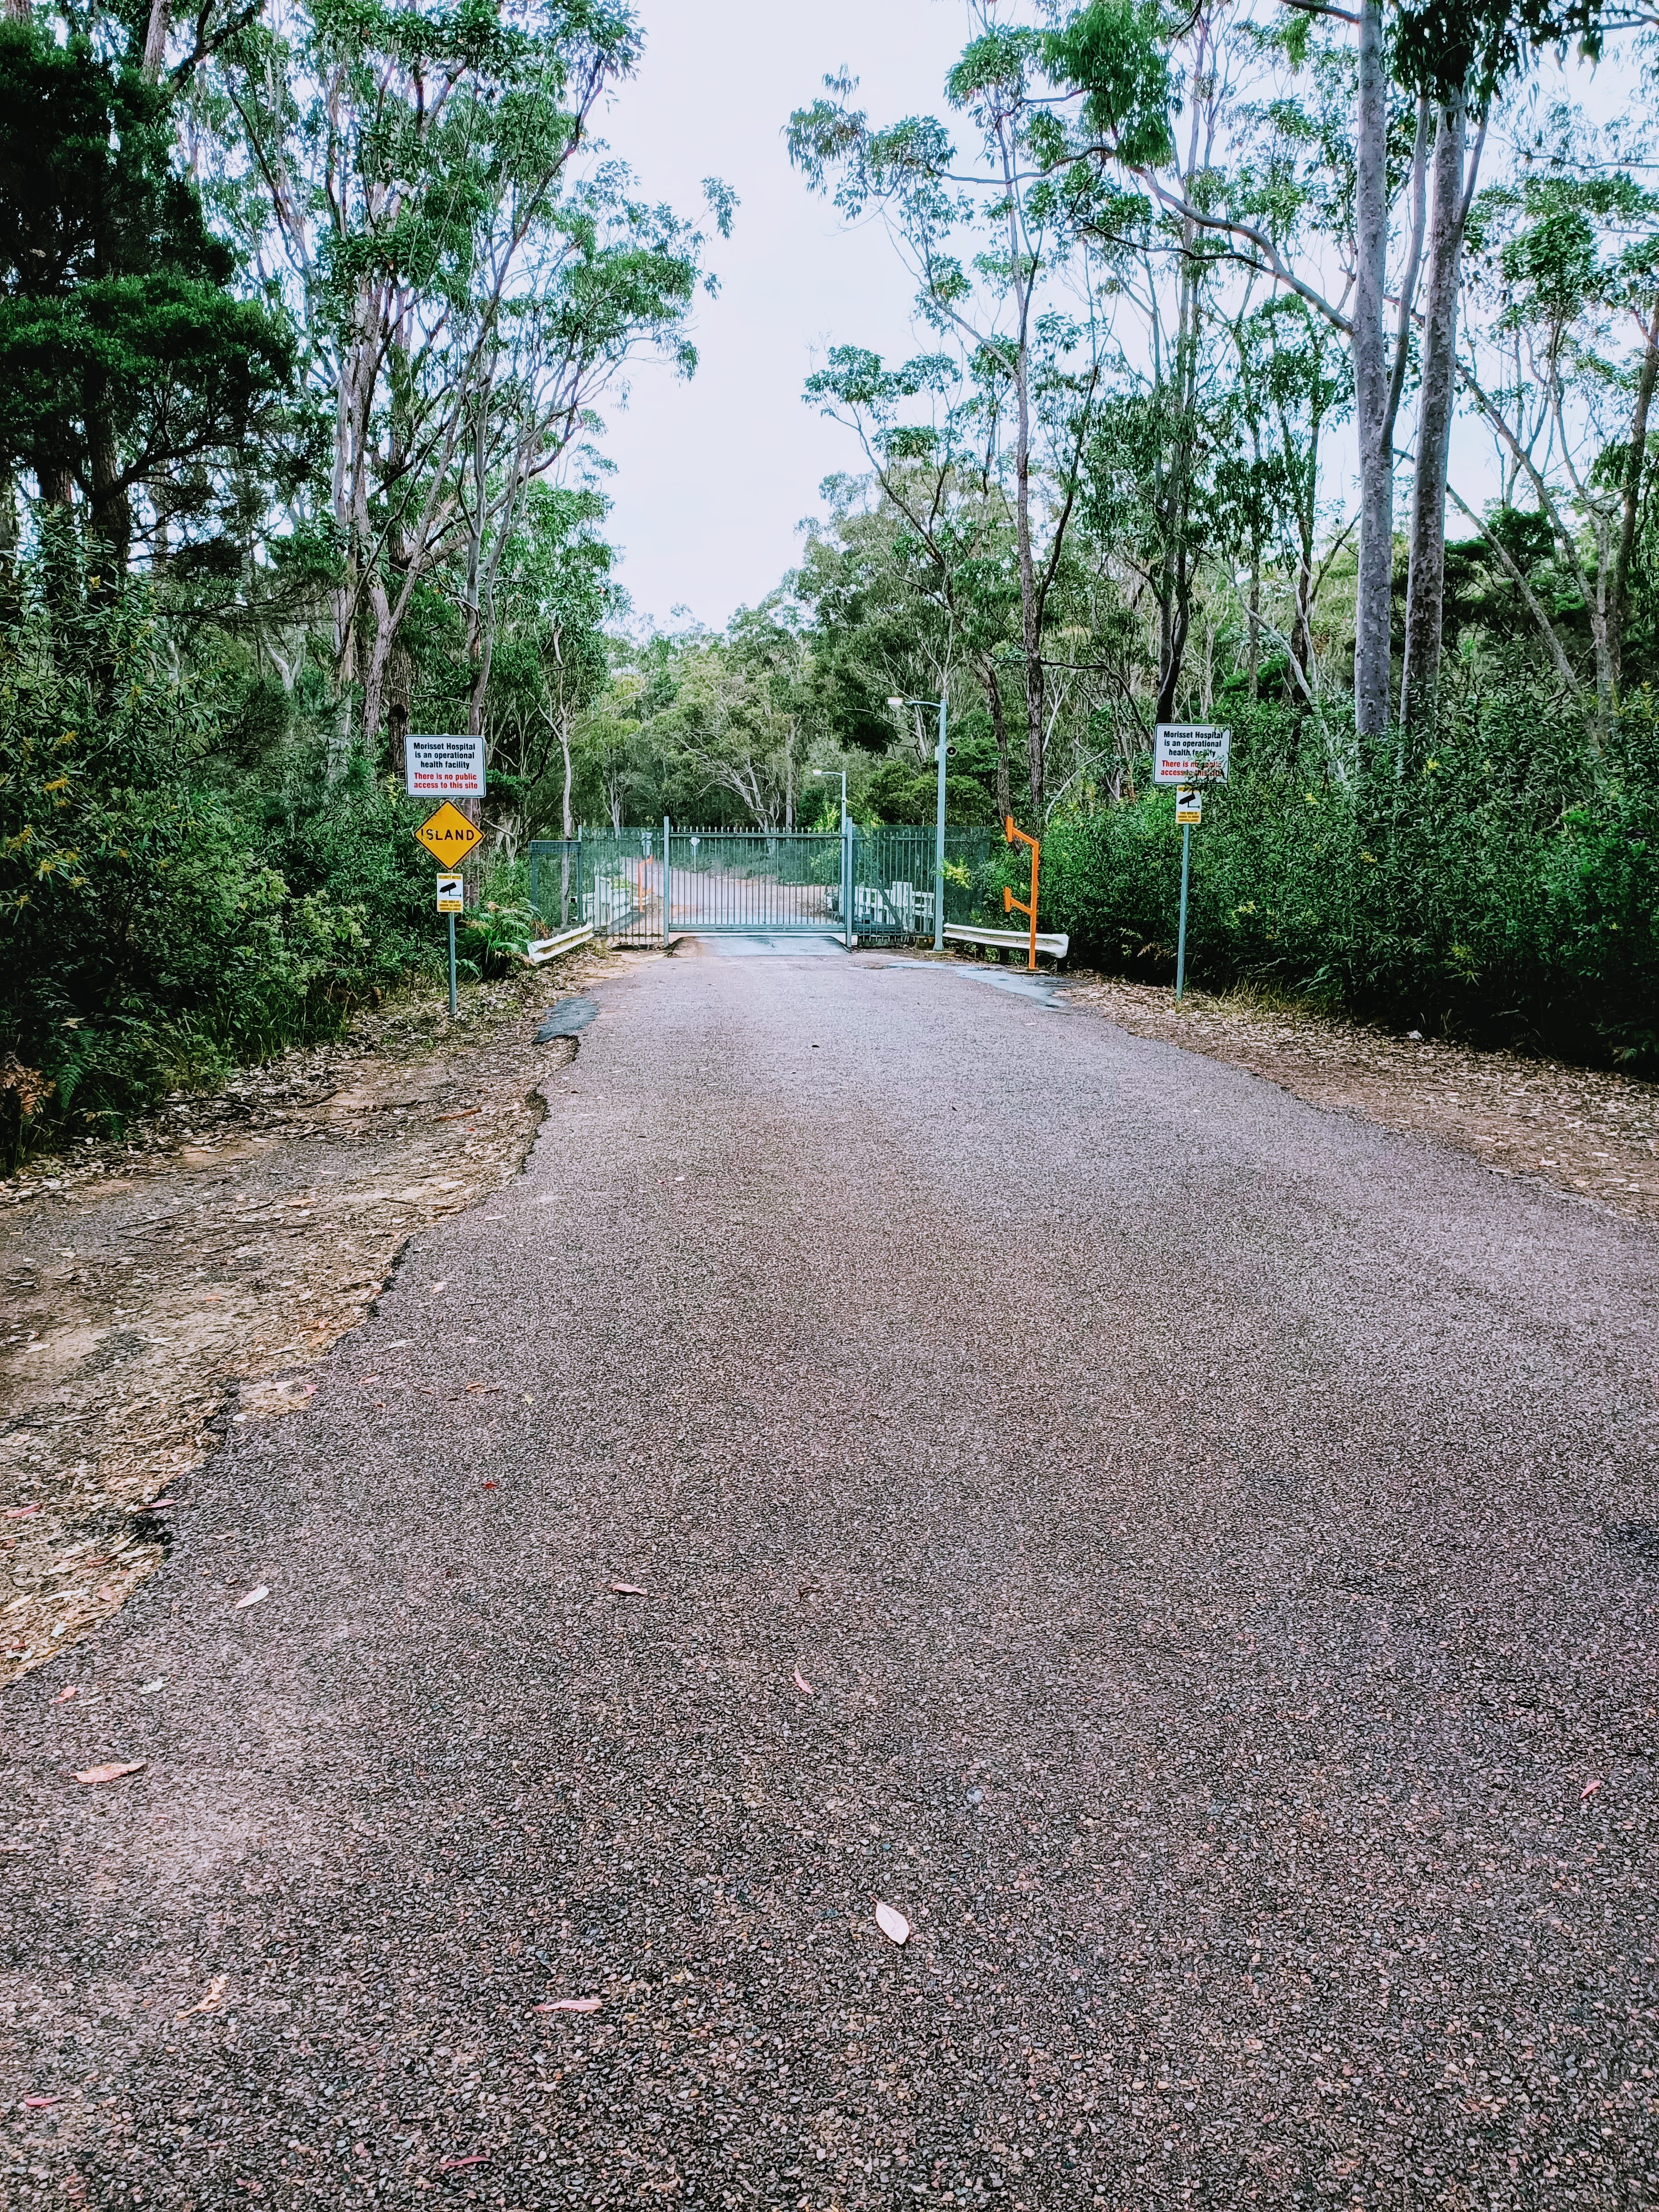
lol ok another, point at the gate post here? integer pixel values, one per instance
(846, 874)
(667, 883)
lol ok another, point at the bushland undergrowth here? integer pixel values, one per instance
(1504, 889)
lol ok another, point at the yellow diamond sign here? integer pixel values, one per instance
(449, 836)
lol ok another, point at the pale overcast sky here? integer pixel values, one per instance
(713, 476)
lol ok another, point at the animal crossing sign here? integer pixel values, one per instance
(448, 836)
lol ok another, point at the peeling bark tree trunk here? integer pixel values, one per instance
(156, 37)
(1000, 731)
(1372, 613)
(1030, 633)
(1426, 577)
(1635, 461)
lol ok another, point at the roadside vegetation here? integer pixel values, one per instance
(308, 318)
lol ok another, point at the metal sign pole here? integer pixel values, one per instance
(1181, 940)
(452, 967)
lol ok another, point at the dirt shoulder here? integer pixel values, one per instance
(1581, 1130)
(159, 1289)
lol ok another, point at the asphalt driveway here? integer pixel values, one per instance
(1193, 1554)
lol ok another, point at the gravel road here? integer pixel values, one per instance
(1220, 1541)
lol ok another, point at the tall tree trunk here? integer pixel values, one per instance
(1372, 612)
(155, 36)
(1000, 731)
(400, 683)
(1031, 627)
(1254, 660)
(10, 538)
(1426, 576)
(1634, 461)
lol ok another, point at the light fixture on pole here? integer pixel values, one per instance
(938, 829)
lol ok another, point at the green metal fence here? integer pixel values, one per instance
(638, 886)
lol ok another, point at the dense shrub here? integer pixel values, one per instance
(1508, 890)
(162, 920)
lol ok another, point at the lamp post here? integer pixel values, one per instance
(939, 829)
(846, 870)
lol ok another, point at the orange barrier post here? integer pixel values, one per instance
(1010, 904)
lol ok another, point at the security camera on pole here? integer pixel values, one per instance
(1188, 754)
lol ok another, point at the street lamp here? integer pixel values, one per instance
(846, 850)
(938, 831)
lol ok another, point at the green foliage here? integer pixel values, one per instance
(157, 925)
(123, 355)
(1509, 892)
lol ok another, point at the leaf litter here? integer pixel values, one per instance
(293, 1189)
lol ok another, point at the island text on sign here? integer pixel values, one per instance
(439, 767)
(1191, 752)
(448, 836)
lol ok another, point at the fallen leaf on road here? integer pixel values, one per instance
(113, 1771)
(802, 1684)
(39, 2104)
(486, 1386)
(253, 1597)
(460, 1116)
(630, 1590)
(1589, 1789)
(64, 1696)
(528, 1399)
(148, 1689)
(107, 1591)
(211, 2003)
(21, 1512)
(443, 1286)
(572, 2004)
(489, 1486)
(892, 1925)
(449, 2165)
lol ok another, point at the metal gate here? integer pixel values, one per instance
(644, 886)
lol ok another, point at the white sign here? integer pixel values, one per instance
(1188, 753)
(444, 767)
(452, 895)
(1189, 807)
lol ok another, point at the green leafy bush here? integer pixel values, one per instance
(160, 924)
(1509, 892)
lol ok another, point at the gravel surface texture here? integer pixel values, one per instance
(182, 1280)
(1192, 1554)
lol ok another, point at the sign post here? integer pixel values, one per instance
(451, 899)
(449, 837)
(1188, 754)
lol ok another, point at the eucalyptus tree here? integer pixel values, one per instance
(988, 235)
(1444, 67)
(552, 596)
(414, 182)
(1563, 375)
(947, 534)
